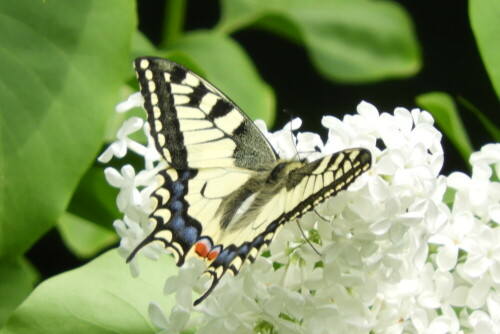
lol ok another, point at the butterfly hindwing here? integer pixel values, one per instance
(224, 193)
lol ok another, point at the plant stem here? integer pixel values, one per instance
(175, 13)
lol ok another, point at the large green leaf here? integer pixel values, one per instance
(63, 63)
(142, 46)
(227, 66)
(17, 279)
(484, 17)
(347, 40)
(445, 112)
(100, 297)
(83, 237)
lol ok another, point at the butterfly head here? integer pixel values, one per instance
(281, 171)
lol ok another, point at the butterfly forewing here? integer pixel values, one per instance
(224, 193)
(196, 126)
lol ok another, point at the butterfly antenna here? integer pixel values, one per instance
(289, 113)
(297, 154)
(307, 239)
(320, 216)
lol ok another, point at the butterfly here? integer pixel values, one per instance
(225, 191)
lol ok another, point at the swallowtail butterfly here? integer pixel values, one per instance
(225, 191)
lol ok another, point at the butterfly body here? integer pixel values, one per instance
(225, 191)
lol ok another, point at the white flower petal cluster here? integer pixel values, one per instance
(393, 256)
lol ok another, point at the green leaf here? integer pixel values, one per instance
(484, 17)
(492, 129)
(349, 41)
(17, 279)
(142, 46)
(445, 112)
(63, 64)
(100, 297)
(83, 237)
(225, 64)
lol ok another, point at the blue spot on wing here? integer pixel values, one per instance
(272, 227)
(225, 257)
(189, 235)
(243, 250)
(177, 224)
(258, 240)
(186, 175)
(176, 206)
(177, 189)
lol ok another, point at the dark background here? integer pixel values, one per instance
(451, 63)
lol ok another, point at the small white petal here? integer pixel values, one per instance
(119, 148)
(447, 256)
(494, 212)
(481, 171)
(368, 110)
(463, 222)
(131, 125)
(458, 296)
(157, 316)
(294, 124)
(136, 198)
(379, 188)
(106, 156)
(404, 119)
(437, 162)
(491, 153)
(128, 172)
(429, 299)
(495, 270)
(458, 180)
(419, 320)
(113, 177)
(331, 122)
(493, 303)
(261, 125)
(137, 148)
(478, 294)
(407, 287)
(444, 282)
(440, 325)
(476, 265)
(380, 227)
(134, 100)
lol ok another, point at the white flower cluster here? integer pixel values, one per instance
(393, 256)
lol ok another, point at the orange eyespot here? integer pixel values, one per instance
(213, 253)
(202, 248)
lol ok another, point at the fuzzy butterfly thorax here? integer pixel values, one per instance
(225, 192)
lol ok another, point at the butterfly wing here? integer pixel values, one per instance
(211, 147)
(194, 124)
(290, 190)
